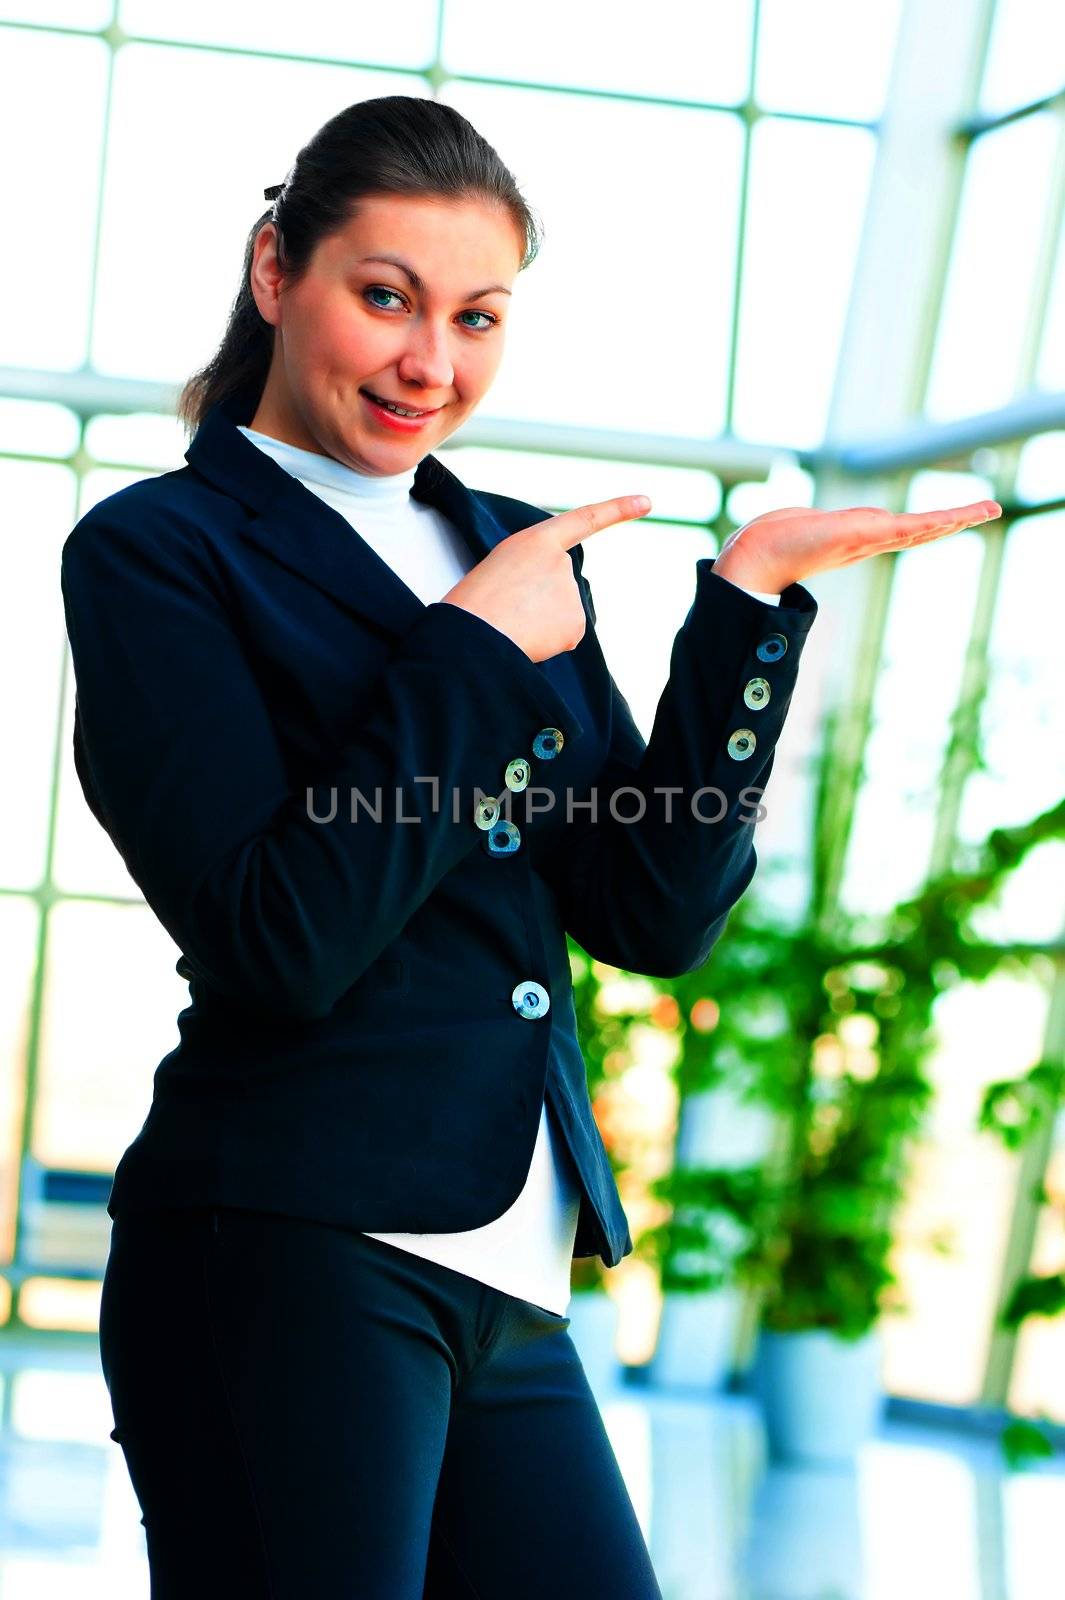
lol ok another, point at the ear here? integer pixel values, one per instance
(264, 274)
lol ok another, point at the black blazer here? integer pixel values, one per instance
(378, 1006)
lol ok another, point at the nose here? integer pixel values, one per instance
(427, 361)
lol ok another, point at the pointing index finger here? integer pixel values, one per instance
(573, 526)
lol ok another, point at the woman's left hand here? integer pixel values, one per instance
(783, 547)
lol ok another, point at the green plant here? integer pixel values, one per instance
(831, 1031)
(827, 1025)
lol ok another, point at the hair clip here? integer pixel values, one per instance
(273, 192)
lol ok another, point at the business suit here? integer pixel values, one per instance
(377, 1008)
(352, 1032)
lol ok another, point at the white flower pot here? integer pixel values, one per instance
(821, 1395)
(593, 1327)
(696, 1338)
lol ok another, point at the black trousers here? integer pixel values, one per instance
(310, 1414)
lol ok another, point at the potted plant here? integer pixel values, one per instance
(804, 1227)
(827, 1024)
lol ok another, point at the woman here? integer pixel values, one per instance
(333, 1319)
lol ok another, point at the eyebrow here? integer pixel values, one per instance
(418, 283)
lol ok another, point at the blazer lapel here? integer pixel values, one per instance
(297, 529)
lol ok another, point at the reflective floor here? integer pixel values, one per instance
(924, 1515)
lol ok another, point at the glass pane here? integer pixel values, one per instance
(786, 485)
(559, 483)
(111, 1002)
(144, 438)
(1026, 54)
(920, 1521)
(1009, 174)
(807, 204)
(61, 1303)
(917, 690)
(177, 184)
(69, 1408)
(960, 1193)
(1041, 467)
(82, 14)
(618, 325)
(637, 619)
(1050, 370)
(50, 85)
(1037, 1383)
(19, 924)
(38, 511)
(313, 28)
(84, 861)
(682, 49)
(828, 58)
(1032, 1507)
(37, 428)
(99, 482)
(1024, 714)
(1030, 905)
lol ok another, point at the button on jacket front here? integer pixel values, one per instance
(369, 824)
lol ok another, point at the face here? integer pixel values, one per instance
(424, 330)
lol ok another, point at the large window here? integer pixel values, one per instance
(708, 185)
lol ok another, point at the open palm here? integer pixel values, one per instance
(785, 546)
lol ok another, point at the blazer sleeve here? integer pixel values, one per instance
(273, 906)
(648, 888)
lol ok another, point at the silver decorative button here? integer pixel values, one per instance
(548, 743)
(517, 774)
(772, 647)
(531, 999)
(756, 693)
(741, 744)
(503, 839)
(486, 813)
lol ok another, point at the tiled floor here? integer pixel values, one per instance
(924, 1515)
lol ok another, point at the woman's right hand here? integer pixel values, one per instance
(526, 585)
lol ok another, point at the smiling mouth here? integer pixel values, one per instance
(400, 409)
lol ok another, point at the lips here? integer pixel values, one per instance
(424, 411)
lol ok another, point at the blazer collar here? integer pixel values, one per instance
(304, 534)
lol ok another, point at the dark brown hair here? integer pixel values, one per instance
(395, 144)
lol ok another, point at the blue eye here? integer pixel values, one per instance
(380, 288)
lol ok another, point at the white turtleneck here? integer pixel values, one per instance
(528, 1250)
